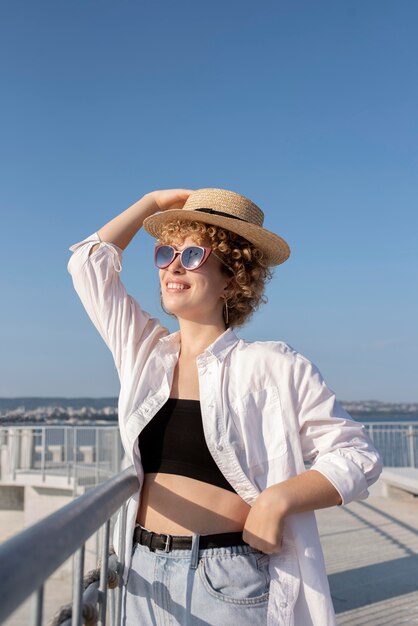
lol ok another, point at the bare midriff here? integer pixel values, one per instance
(178, 505)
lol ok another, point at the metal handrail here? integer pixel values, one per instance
(29, 558)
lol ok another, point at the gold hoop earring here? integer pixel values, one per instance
(225, 312)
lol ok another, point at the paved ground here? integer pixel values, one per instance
(371, 552)
(56, 594)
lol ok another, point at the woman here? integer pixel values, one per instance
(222, 527)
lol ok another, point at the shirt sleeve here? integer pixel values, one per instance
(116, 315)
(337, 445)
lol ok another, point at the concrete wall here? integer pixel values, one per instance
(11, 511)
(22, 506)
(42, 501)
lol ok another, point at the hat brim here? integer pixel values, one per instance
(275, 249)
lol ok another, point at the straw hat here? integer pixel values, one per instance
(231, 211)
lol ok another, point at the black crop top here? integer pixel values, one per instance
(173, 442)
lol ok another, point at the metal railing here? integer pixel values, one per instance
(86, 455)
(397, 442)
(78, 456)
(29, 558)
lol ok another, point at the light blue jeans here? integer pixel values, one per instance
(209, 587)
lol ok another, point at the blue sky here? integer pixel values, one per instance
(308, 108)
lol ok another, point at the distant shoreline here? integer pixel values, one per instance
(32, 402)
(85, 411)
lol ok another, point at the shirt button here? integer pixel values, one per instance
(283, 605)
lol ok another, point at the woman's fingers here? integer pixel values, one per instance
(171, 198)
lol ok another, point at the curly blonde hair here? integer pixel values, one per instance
(251, 271)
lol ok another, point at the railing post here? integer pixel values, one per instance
(13, 449)
(43, 452)
(66, 463)
(121, 554)
(96, 452)
(103, 574)
(74, 460)
(70, 438)
(38, 601)
(78, 586)
(411, 446)
(112, 609)
(116, 455)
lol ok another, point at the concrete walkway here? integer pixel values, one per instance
(371, 553)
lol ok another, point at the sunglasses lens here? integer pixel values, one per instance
(164, 256)
(192, 257)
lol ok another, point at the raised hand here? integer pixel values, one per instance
(166, 199)
(124, 226)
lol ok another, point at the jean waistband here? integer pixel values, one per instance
(165, 542)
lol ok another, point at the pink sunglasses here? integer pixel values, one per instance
(191, 257)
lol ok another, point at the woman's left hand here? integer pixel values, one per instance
(307, 491)
(263, 528)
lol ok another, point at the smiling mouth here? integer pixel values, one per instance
(176, 287)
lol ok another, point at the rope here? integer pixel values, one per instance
(90, 612)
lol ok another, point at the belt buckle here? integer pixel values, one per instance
(148, 540)
(167, 542)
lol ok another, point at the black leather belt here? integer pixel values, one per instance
(156, 541)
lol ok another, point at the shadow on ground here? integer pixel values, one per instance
(362, 586)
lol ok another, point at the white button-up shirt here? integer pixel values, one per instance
(266, 410)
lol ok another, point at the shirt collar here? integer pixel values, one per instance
(219, 348)
(222, 344)
(173, 338)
